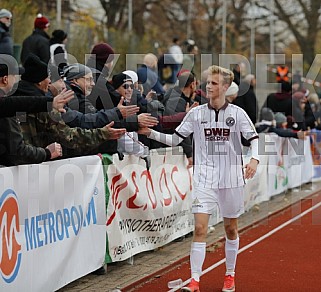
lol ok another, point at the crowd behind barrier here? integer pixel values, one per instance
(53, 216)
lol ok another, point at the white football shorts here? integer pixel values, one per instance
(230, 201)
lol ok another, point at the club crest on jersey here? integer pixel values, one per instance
(230, 121)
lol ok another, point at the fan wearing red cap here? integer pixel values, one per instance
(38, 42)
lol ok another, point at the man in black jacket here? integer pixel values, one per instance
(246, 98)
(38, 42)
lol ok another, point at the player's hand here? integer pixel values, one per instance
(127, 110)
(145, 120)
(144, 131)
(190, 162)
(250, 168)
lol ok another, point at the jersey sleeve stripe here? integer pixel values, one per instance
(178, 134)
(255, 137)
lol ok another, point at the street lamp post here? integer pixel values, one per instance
(189, 18)
(224, 26)
(272, 31)
(58, 16)
(130, 15)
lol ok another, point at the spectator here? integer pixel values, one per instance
(38, 42)
(169, 64)
(103, 95)
(246, 98)
(176, 99)
(314, 102)
(80, 79)
(200, 95)
(298, 109)
(147, 75)
(176, 51)
(129, 143)
(280, 120)
(297, 79)
(189, 57)
(231, 92)
(58, 53)
(280, 101)
(237, 71)
(310, 112)
(6, 44)
(137, 97)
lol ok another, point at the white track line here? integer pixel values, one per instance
(252, 243)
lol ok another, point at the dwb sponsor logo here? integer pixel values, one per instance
(10, 251)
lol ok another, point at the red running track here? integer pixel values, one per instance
(280, 253)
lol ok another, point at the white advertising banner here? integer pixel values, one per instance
(52, 223)
(289, 165)
(148, 209)
(300, 164)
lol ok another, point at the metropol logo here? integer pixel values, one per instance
(10, 250)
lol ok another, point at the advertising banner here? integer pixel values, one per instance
(148, 209)
(52, 221)
(315, 137)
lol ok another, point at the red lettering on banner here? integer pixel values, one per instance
(138, 199)
(130, 202)
(190, 180)
(115, 190)
(182, 196)
(150, 180)
(167, 201)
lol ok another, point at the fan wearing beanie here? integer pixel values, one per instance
(80, 79)
(38, 42)
(102, 59)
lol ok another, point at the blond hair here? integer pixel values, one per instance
(227, 74)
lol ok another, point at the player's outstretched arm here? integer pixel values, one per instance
(168, 139)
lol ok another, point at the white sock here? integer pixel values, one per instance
(197, 258)
(231, 249)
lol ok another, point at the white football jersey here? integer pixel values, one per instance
(217, 144)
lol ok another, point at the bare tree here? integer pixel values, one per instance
(302, 18)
